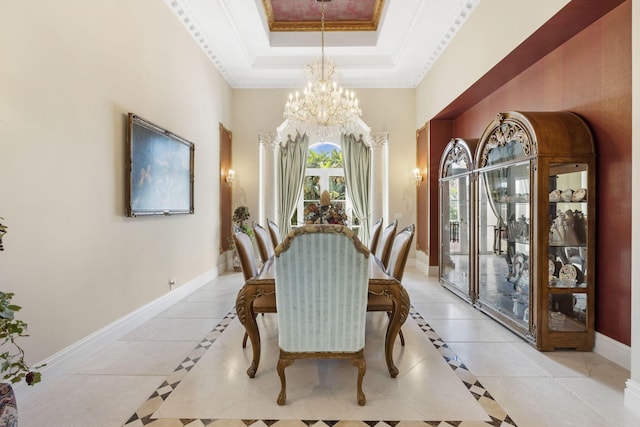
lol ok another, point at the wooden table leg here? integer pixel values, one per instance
(401, 304)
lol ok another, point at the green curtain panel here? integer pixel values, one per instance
(356, 156)
(291, 169)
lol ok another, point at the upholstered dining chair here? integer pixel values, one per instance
(322, 275)
(383, 249)
(274, 232)
(400, 252)
(265, 245)
(375, 236)
(397, 262)
(249, 265)
(244, 247)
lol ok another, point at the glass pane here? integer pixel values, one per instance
(325, 155)
(568, 198)
(337, 188)
(510, 151)
(567, 312)
(459, 166)
(456, 233)
(503, 249)
(311, 188)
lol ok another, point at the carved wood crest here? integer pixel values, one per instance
(506, 130)
(457, 154)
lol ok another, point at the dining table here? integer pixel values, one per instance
(257, 295)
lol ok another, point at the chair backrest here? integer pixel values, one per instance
(375, 236)
(400, 252)
(274, 232)
(384, 244)
(322, 276)
(265, 245)
(244, 247)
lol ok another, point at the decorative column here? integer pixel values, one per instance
(268, 198)
(379, 176)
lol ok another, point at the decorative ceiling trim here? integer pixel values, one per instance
(445, 39)
(186, 16)
(277, 26)
(241, 79)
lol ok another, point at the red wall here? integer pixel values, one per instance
(590, 74)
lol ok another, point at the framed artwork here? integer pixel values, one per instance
(160, 170)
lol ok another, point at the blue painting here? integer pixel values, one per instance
(161, 178)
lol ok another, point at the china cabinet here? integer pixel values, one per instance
(535, 227)
(456, 205)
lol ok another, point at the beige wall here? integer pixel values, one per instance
(70, 71)
(391, 110)
(492, 31)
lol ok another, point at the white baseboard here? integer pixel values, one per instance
(422, 263)
(632, 396)
(64, 360)
(613, 350)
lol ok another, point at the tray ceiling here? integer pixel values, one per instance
(374, 43)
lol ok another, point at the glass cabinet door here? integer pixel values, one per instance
(568, 269)
(504, 229)
(454, 233)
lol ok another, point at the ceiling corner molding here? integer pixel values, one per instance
(445, 39)
(186, 17)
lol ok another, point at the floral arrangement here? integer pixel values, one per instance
(325, 213)
(241, 217)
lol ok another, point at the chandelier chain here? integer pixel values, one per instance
(322, 38)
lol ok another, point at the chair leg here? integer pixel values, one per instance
(400, 334)
(244, 340)
(246, 335)
(362, 368)
(283, 363)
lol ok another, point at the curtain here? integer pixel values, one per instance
(291, 169)
(356, 156)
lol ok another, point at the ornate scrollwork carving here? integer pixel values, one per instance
(378, 139)
(505, 131)
(269, 139)
(457, 154)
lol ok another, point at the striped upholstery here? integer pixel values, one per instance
(383, 249)
(322, 275)
(265, 244)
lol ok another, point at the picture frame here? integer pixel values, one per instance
(160, 172)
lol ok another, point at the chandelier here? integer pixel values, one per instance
(324, 108)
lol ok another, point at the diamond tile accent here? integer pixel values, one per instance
(144, 416)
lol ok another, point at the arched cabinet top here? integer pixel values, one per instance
(519, 135)
(457, 157)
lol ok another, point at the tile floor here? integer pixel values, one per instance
(186, 367)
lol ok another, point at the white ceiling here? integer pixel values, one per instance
(235, 35)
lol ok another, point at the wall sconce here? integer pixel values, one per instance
(417, 175)
(231, 177)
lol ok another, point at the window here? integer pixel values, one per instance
(324, 172)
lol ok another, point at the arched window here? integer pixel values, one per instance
(324, 172)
